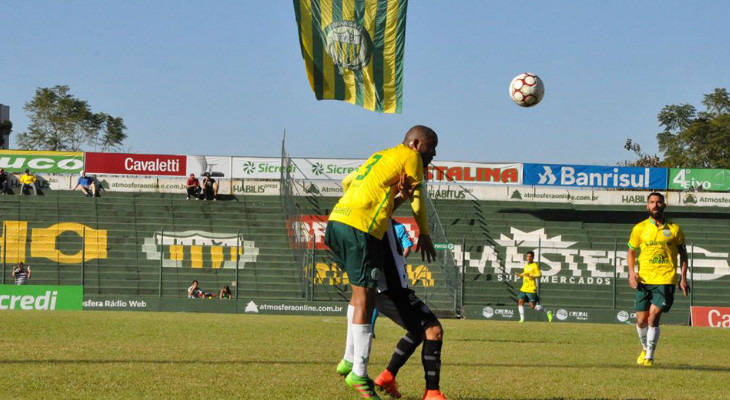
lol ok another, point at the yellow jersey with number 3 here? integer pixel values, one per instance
(369, 191)
(529, 283)
(659, 248)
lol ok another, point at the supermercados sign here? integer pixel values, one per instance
(595, 176)
(49, 162)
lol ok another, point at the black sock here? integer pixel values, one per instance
(403, 350)
(431, 359)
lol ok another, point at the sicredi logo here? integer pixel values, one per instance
(46, 301)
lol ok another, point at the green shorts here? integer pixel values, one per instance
(529, 297)
(661, 296)
(360, 253)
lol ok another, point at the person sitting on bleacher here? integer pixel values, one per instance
(192, 186)
(210, 188)
(28, 181)
(88, 185)
(195, 292)
(4, 183)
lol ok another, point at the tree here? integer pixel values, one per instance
(60, 121)
(644, 160)
(694, 139)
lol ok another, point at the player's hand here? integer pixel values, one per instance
(425, 246)
(633, 281)
(684, 286)
(404, 188)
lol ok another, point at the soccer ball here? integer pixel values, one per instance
(526, 89)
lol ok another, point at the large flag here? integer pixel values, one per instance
(353, 50)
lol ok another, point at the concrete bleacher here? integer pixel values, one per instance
(122, 257)
(120, 264)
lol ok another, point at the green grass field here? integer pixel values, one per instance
(130, 355)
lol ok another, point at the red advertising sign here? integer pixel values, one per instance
(716, 317)
(462, 172)
(136, 164)
(312, 228)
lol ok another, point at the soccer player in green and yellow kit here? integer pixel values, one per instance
(659, 242)
(528, 291)
(357, 225)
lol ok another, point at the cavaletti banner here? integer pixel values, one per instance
(595, 176)
(697, 179)
(136, 164)
(353, 50)
(42, 162)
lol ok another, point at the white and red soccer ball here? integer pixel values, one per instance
(526, 89)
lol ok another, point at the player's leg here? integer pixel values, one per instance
(661, 302)
(521, 306)
(431, 360)
(642, 303)
(345, 365)
(359, 253)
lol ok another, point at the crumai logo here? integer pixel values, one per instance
(548, 176)
(317, 168)
(248, 167)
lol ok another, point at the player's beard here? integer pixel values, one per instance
(658, 214)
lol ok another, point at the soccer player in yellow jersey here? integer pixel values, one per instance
(358, 223)
(659, 241)
(528, 291)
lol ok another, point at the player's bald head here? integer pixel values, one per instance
(419, 132)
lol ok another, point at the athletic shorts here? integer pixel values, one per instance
(529, 297)
(661, 296)
(404, 308)
(359, 253)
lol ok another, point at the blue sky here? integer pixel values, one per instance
(227, 77)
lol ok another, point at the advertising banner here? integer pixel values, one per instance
(32, 297)
(43, 162)
(217, 166)
(716, 317)
(713, 180)
(136, 164)
(595, 176)
(464, 172)
(258, 167)
(698, 199)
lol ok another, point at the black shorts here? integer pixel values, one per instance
(404, 308)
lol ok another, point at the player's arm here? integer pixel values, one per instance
(536, 273)
(634, 244)
(414, 169)
(682, 247)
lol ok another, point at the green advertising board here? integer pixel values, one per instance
(715, 180)
(41, 297)
(49, 162)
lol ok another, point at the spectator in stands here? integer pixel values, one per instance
(210, 188)
(194, 291)
(4, 183)
(28, 181)
(193, 187)
(88, 185)
(225, 293)
(21, 273)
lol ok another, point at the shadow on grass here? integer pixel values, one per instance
(510, 341)
(293, 362)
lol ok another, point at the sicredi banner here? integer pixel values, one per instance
(716, 317)
(37, 297)
(714, 180)
(45, 162)
(136, 164)
(595, 176)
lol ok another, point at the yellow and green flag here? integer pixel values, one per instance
(353, 50)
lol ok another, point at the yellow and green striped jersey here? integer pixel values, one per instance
(529, 283)
(659, 248)
(369, 191)
(353, 50)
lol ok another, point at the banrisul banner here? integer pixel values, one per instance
(595, 176)
(45, 162)
(715, 180)
(32, 297)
